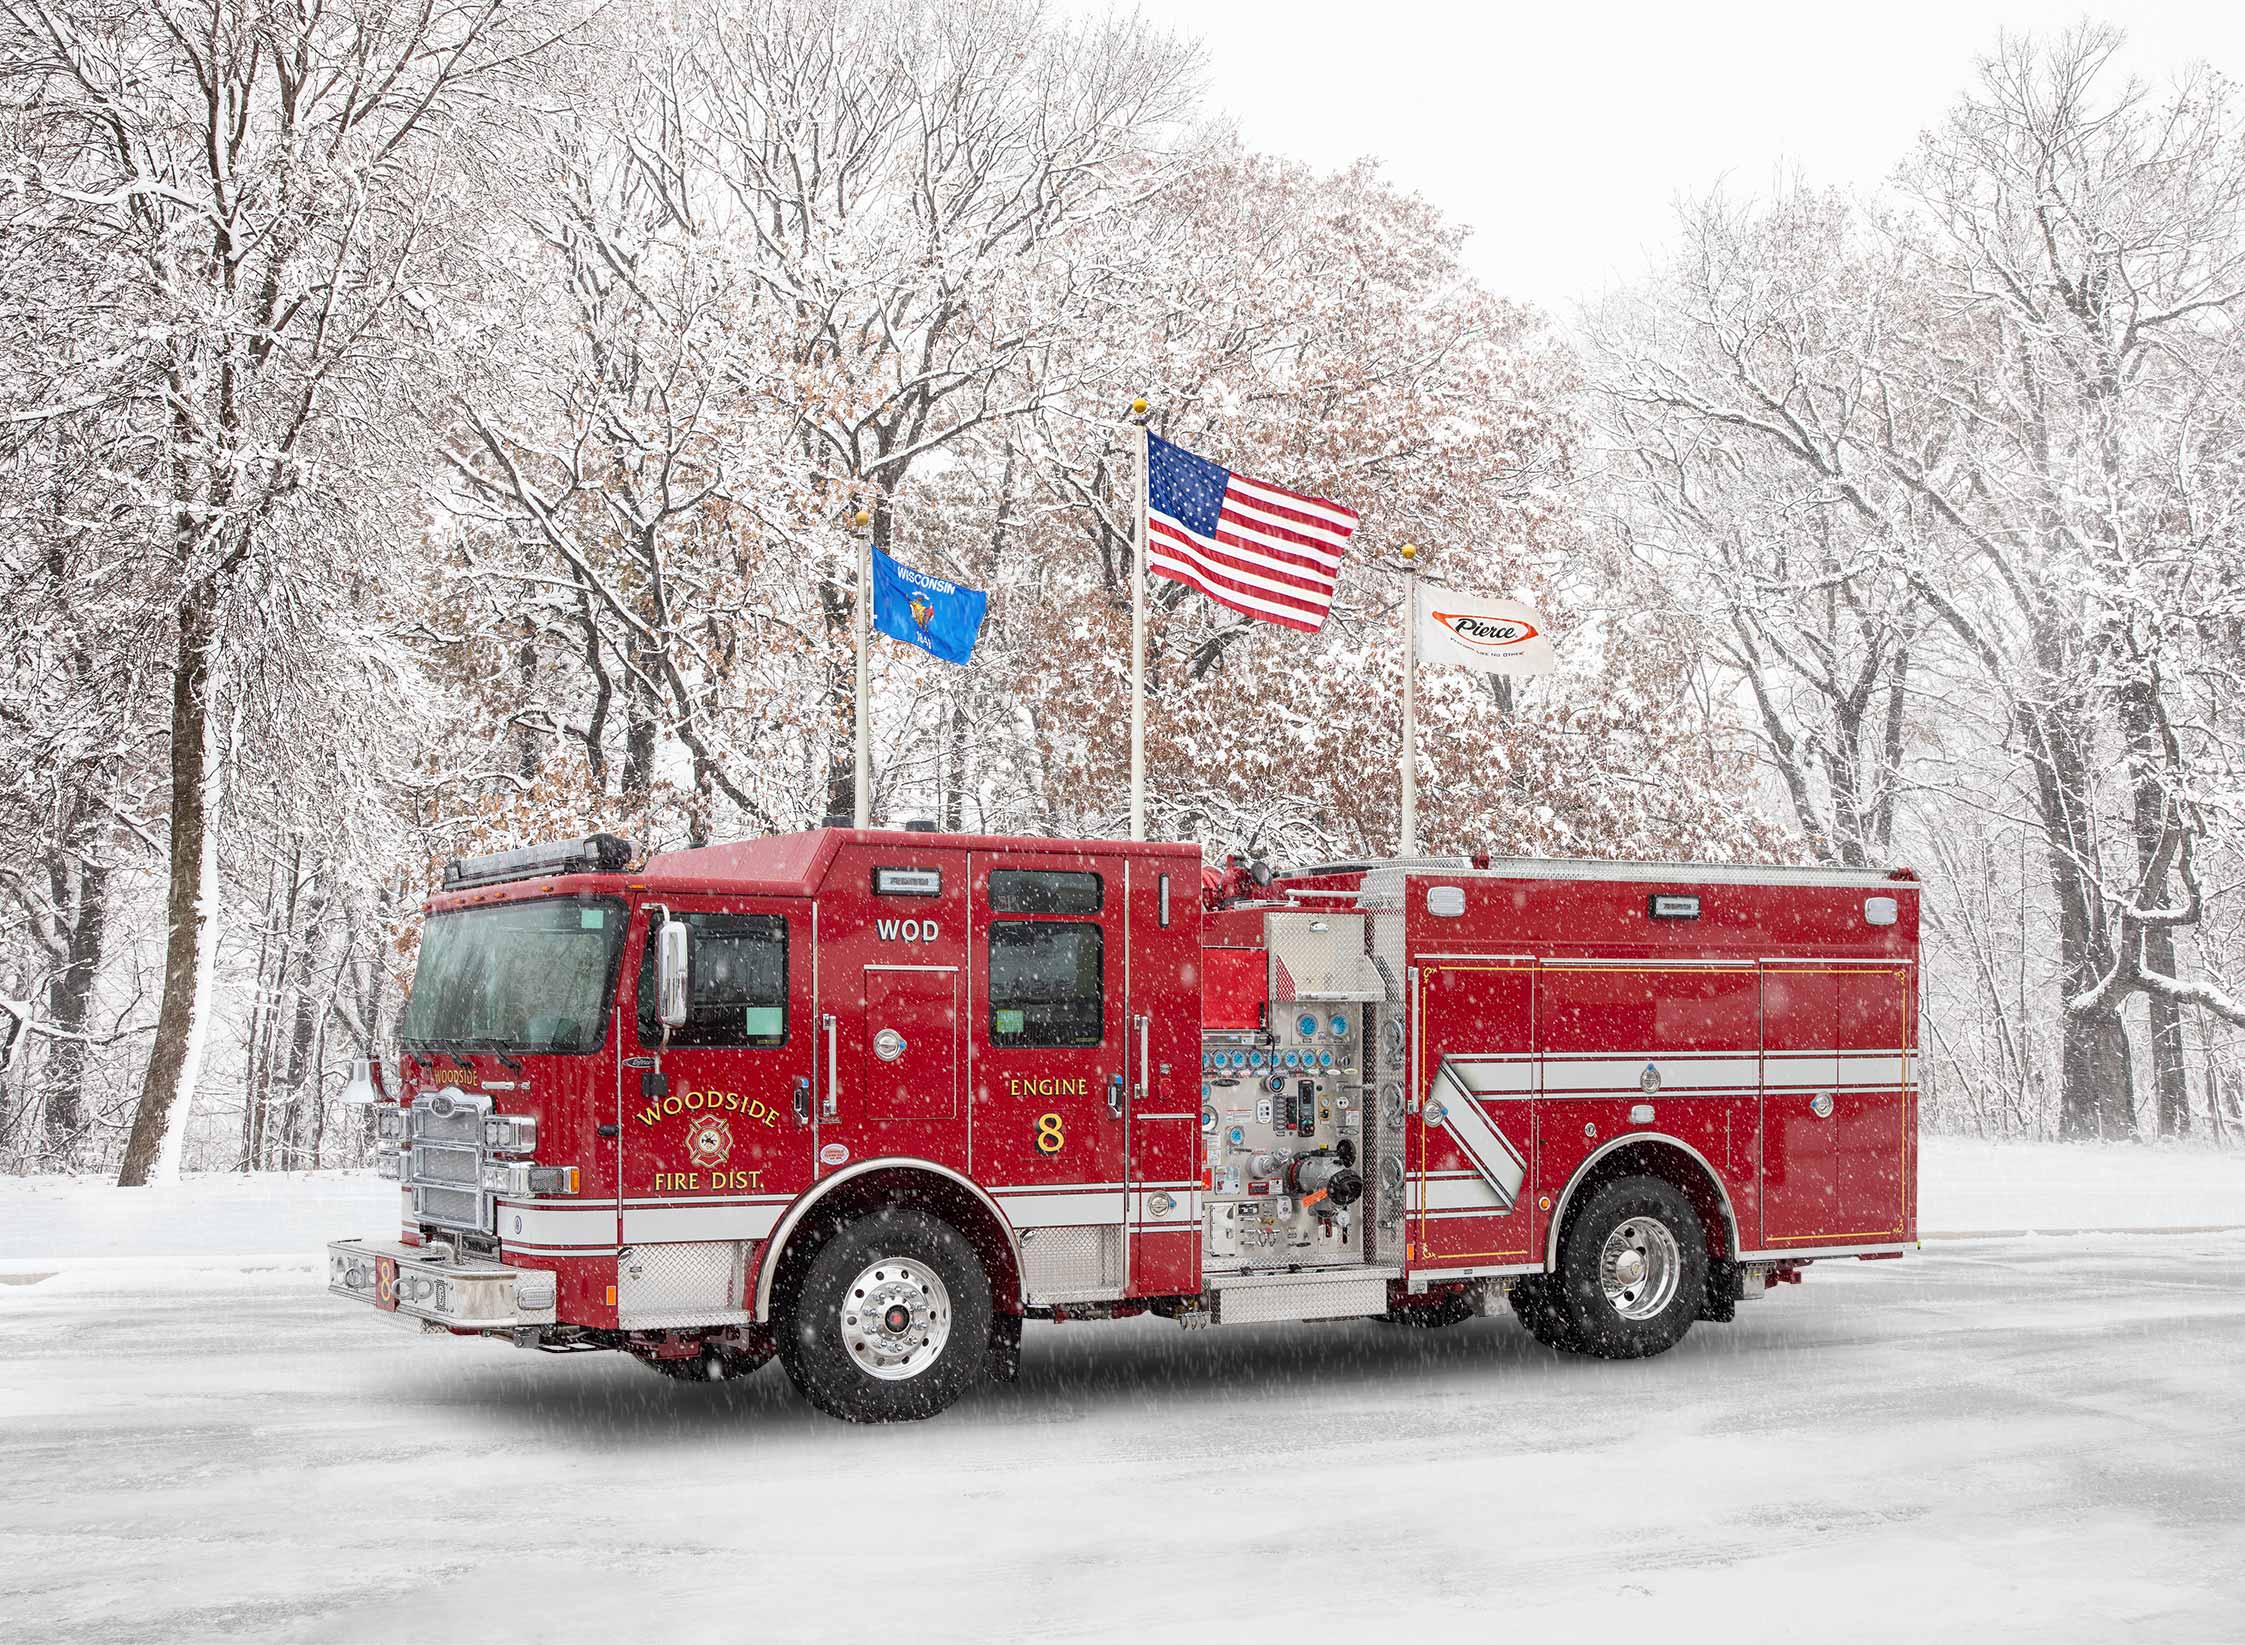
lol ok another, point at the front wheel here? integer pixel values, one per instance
(892, 1321)
(1632, 1271)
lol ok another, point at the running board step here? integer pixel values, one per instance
(1247, 1300)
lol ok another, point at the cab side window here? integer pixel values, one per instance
(736, 989)
(1046, 983)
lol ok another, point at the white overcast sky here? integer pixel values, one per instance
(1561, 134)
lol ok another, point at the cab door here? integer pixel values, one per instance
(714, 1123)
(1052, 1049)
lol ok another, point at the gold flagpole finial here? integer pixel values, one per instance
(1409, 551)
(861, 519)
(1138, 407)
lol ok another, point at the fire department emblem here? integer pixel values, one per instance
(709, 1140)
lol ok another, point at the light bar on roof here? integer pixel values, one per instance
(594, 854)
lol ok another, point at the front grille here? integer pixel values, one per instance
(461, 1167)
(444, 1160)
(452, 1207)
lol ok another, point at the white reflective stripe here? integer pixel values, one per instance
(1502, 1074)
(1801, 1068)
(1460, 1194)
(1493, 1076)
(1064, 1210)
(1725, 1073)
(712, 1199)
(1491, 1152)
(657, 1225)
(1845, 1068)
(557, 1225)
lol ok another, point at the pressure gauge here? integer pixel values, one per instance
(1306, 1027)
(1340, 1028)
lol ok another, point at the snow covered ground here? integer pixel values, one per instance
(2013, 1438)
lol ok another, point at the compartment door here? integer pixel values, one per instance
(911, 1051)
(1835, 1108)
(1473, 1136)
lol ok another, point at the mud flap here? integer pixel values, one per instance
(1005, 1347)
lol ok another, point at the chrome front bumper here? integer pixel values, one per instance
(405, 1280)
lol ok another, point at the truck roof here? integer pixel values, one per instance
(795, 864)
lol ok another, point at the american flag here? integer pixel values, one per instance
(1261, 549)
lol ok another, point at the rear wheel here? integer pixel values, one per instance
(1632, 1270)
(892, 1321)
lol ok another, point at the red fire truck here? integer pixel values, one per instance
(866, 1100)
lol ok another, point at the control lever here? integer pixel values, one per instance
(802, 1099)
(1114, 1095)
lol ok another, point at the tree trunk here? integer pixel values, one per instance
(954, 796)
(2170, 1080)
(639, 745)
(70, 1007)
(167, 1088)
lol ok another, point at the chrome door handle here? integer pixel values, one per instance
(802, 1099)
(833, 1069)
(1114, 1095)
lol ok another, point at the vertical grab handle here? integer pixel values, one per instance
(833, 1069)
(1138, 1087)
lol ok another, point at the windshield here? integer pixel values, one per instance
(525, 976)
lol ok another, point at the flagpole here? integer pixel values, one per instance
(1410, 555)
(864, 784)
(1138, 637)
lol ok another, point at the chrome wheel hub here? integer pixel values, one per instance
(1639, 1268)
(896, 1317)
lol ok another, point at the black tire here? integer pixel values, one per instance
(1535, 1303)
(711, 1365)
(1601, 1324)
(816, 1347)
(1454, 1308)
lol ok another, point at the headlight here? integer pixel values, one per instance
(386, 1163)
(511, 1134)
(522, 1181)
(389, 1123)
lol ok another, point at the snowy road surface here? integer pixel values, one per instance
(2027, 1439)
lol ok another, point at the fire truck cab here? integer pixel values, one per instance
(865, 1100)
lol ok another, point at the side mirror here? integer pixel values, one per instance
(360, 1091)
(672, 940)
